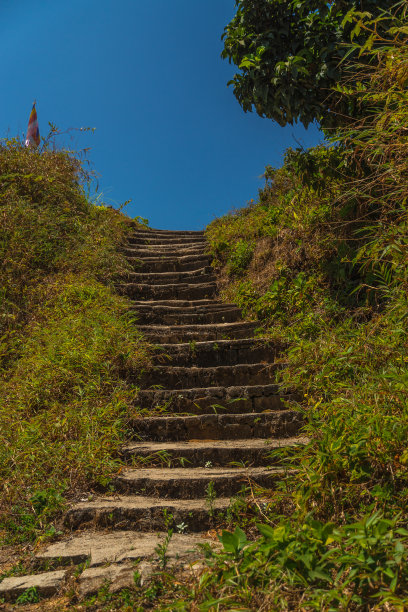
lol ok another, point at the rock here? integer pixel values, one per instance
(47, 584)
(117, 576)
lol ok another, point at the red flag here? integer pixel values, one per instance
(33, 131)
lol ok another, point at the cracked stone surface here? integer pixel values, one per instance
(47, 584)
(120, 546)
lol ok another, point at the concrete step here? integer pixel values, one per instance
(186, 333)
(193, 483)
(180, 291)
(202, 275)
(218, 353)
(199, 453)
(98, 549)
(169, 264)
(209, 400)
(171, 377)
(140, 513)
(165, 315)
(274, 424)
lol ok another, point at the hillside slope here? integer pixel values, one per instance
(65, 338)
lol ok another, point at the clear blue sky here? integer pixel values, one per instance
(147, 74)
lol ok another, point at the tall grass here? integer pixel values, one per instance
(66, 339)
(328, 274)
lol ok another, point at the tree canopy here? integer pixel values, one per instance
(288, 53)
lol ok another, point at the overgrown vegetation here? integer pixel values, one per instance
(321, 261)
(65, 338)
(329, 274)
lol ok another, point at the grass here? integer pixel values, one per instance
(67, 340)
(320, 261)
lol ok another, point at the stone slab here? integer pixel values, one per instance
(141, 513)
(47, 584)
(217, 452)
(117, 576)
(118, 547)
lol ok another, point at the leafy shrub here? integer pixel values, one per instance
(314, 566)
(240, 257)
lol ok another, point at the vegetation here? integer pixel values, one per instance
(328, 273)
(65, 338)
(288, 53)
(320, 260)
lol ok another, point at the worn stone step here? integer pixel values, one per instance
(180, 291)
(169, 249)
(182, 305)
(163, 232)
(208, 400)
(202, 275)
(213, 453)
(98, 549)
(141, 513)
(46, 584)
(180, 483)
(196, 304)
(274, 424)
(169, 264)
(186, 316)
(167, 240)
(163, 334)
(173, 377)
(218, 353)
(142, 251)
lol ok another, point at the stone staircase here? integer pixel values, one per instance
(216, 414)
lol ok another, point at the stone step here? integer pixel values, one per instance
(186, 316)
(209, 400)
(214, 453)
(183, 291)
(221, 352)
(202, 275)
(173, 377)
(162, 232)
(153, 249)
(176, 304)
(183, 305)
(169, 264)
(166, 240)
(169, 252)
(274, 424)
(98, 549)
(46, 584)
(141, 513)
(179, 483)
(163, 334)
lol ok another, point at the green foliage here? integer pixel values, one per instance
(288, 54)
(29, 596)
(356, 566)
(328, 276)
(240, 257)
(66, 339)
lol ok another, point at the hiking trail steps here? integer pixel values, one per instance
(216, 415)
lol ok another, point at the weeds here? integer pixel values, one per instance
(66, 339)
